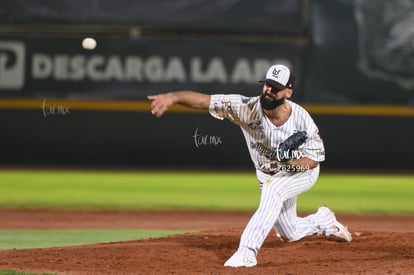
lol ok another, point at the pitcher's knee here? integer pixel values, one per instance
(288, 233)
(291, 236)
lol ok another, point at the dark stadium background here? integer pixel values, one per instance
(355, 71)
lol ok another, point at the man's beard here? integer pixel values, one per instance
(270, 104)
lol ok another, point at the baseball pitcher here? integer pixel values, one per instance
(285, 148)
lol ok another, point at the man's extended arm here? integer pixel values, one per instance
(162, 102)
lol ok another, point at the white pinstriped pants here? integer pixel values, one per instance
(278, 209)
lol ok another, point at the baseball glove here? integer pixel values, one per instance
(285, 151)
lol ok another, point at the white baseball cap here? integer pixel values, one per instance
(279, 76)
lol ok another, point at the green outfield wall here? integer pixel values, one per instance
(188, 140)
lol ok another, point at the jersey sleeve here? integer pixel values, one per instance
(226, 106)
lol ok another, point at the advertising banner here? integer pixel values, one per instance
(120, 68)
(371, 61)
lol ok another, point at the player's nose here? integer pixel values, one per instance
(267, 89)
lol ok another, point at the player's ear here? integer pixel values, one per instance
(289, 93)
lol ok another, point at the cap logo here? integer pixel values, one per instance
(275, 73)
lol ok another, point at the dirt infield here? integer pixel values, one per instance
(381, 245)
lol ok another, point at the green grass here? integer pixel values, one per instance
(196, 190)
(19, 239)
(386, 194)
(119, 190)
(13, 272)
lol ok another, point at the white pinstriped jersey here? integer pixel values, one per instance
(261, 135)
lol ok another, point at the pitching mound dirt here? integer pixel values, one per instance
(381, 245)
